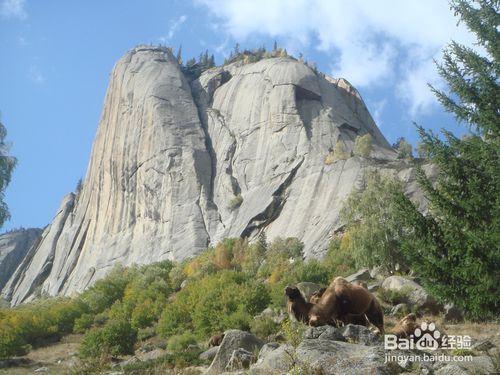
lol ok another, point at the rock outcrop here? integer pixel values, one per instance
(181, 163)
(13, 248)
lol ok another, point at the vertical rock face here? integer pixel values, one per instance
(13, 248)
(179, 164)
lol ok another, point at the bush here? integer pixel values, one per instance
(339, 153)
(235, 202)
(313, 271)
(214, 303)
(108, 290)
(117, 337)
(178, 343)
(264, 327)
(363, 145)
(83, 323)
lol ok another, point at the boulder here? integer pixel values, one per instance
(233, 339)
(274, 360)
(209, 355)
(307, 289)
(357, 334)
(414, 293)
(335, 357)
(324, 333)
(240, 359)
(362, 275)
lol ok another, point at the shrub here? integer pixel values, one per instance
(117, 337)
(264, 327)
(83, 323)
(216, 302)
(313, 271)
(293, 331)
(235, 202)
(178, 343)
(339, 152)
(363, 145)
(403, 148)
(108, 290)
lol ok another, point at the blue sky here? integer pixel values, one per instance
(57, 55)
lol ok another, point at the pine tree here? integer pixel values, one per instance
(179, 55)
(275, 46)
(7, 164)
(455, 247)
(403, 148)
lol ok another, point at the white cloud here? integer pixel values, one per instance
(13, 9)
(35, 74)
(371, 43)
(174, 27)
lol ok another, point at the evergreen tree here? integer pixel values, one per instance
(7, 164)
(403, 148)
(275, 46)
(179, 55)
(456, 246)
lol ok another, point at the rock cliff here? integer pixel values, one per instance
(13, 248)
(178, 164)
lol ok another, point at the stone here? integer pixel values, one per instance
(307, 289)
(361, 275)
(14, 246)
(41, 370)
(335, 357)
(209, 355)
(357, 334)
(414, 293)
(240, 359)
(151, 355)
(171, 153)
(274, 360)
(452, 313)
(233, 340)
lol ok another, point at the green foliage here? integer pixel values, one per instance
(456, 245)
(293, 331)
(338, 257)
(83, 323)
(403, 149)
(117, 337)
(264, 327)
(339, 152)
(374, 236)
(7, 165)
(227, 299)
(106, 291)
(363, 145)
(178, 343)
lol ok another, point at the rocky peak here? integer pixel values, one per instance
(181, 163)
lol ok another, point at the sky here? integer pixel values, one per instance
(56, 57)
